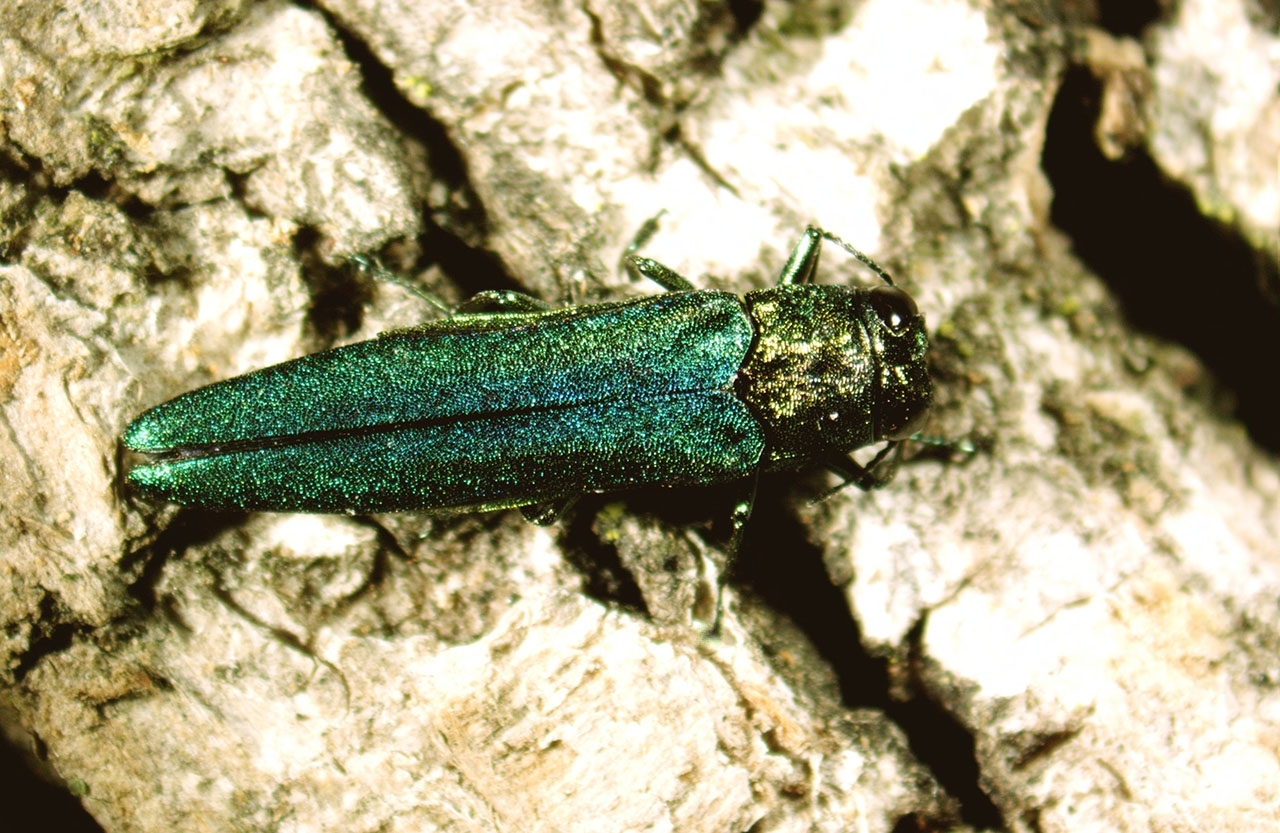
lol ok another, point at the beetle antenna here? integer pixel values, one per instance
(865, 260)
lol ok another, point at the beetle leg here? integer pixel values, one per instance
(374, 267)
(501, 301)
(486, 303)
(739, 517)
(490, 301)
(646, 232)
(546, 514)
(644, 267)
(873, 475)
(803, 263)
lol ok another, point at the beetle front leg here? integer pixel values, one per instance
(879, 471)
(803, 263)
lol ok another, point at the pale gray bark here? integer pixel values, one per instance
(1091, 598)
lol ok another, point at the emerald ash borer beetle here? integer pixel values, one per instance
(510, 403)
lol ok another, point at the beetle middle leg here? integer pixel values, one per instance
(739, 517)
(668, 279)
(646, 232)
(644, 267)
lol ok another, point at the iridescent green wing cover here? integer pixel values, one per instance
(476, 411)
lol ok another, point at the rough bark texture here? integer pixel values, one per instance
(1075, 628)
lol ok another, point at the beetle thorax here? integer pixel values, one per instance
(810, 376)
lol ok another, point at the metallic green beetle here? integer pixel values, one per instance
(509, 403)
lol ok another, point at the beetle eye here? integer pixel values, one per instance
(894, 307)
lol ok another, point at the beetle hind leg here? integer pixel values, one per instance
(548, 512)
(500, 302)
